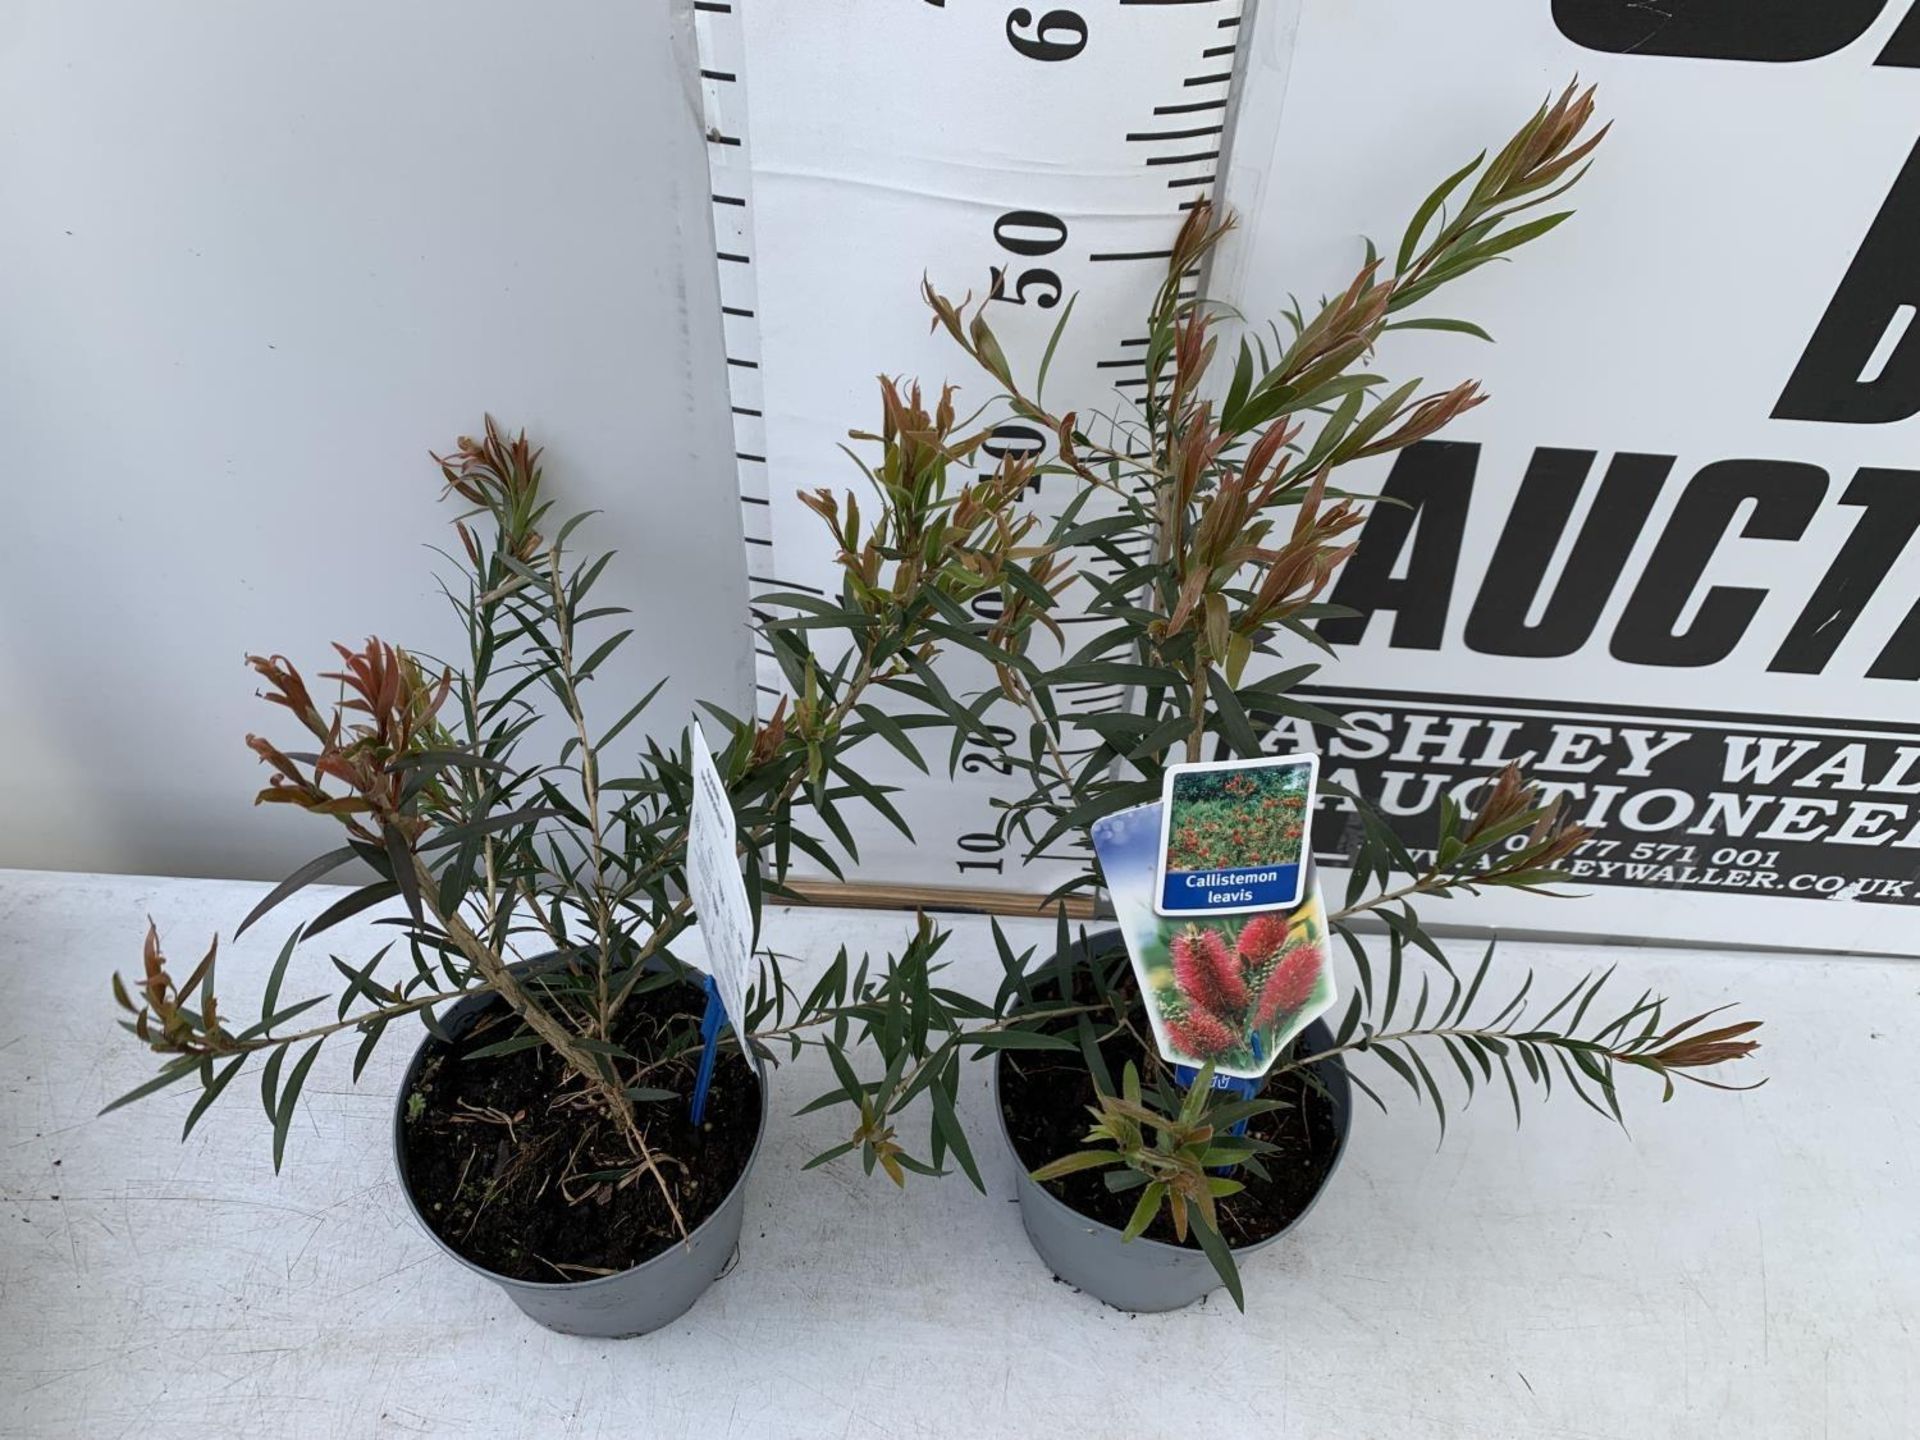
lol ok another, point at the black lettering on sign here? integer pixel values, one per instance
(1904, 48)
(1762, 30)
(1056, 35)
(1671, 799)
(1901, 659)
(1048, 283)
(1030, 232)
(1890, 513)
(1023, 442)
(1784, 495)
(1432, 483)
(988, 607)
(1880, 289)
(1497, 623)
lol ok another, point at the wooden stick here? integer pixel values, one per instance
(985, 900)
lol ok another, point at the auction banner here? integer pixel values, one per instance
(1671, 565)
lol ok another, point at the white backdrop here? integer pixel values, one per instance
(1722, 686)
(252, 266)
(257, 258)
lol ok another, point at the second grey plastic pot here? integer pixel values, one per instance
(1143, 1274)
(612, 1307)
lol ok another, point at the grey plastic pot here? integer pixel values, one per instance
(1147, 1275)
(611, 1307)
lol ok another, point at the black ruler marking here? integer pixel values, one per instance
(1145, 135)
(786, 584)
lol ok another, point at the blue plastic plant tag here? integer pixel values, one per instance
(710, 1023)
(1245, 1088)
(1234, 835)
(1231, 989)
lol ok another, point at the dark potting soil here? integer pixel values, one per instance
(500, 1150)
(1045, 1101)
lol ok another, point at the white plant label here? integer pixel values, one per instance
(719, 893)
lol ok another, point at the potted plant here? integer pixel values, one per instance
(543, 1132)
(1213, 519)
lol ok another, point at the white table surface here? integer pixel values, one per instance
(1737, 1265)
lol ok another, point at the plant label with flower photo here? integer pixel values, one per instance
(715, 884)
(1233, 835)
(1232, 992)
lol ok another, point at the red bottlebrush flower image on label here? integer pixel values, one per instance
(1233, 990)
(1207, 972)
(1262, 938)
(1202, 1034)
(1291, 984)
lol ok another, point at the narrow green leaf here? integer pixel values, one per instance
(284, 1118)
(211, 1093)
(1221, 1257)
(1144, 1210)
(1017, 1040)
(1462, 327)
(348, 906)
(948, 1123)
(279, 973)
(299, 879)
(173, 1070)
(1053, 343)
(1424, 215)
(505, 1047)
(1072, 1164)
(601, 651)
(834, 1154)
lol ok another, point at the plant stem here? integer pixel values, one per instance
(1506, 1037)
(590, 792)
(1051, 740)
(953, 1043)
(827, 1017)
(506, 984)
(1427, 884)
(1197, 708)
(405, 1007)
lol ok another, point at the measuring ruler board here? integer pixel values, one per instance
(1040, 153)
